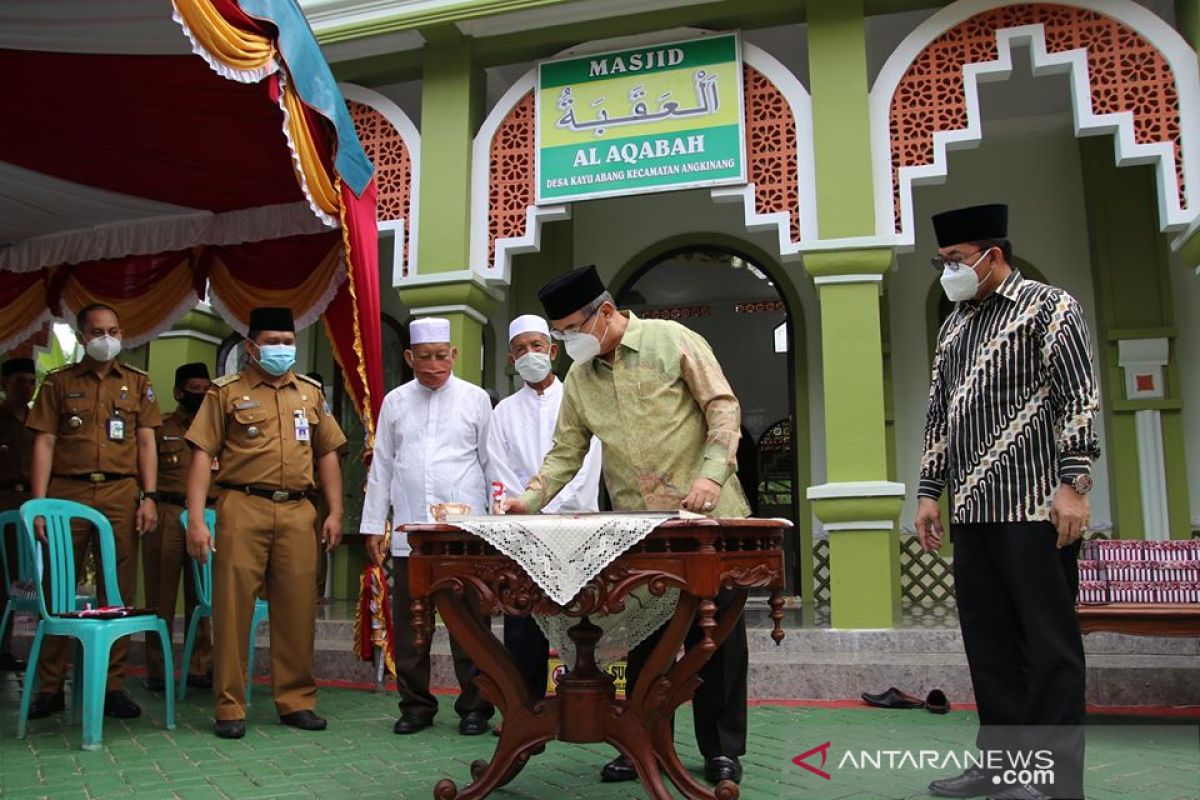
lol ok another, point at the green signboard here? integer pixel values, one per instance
(655, 119)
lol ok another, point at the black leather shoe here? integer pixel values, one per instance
(120, 705)
(975, 782)
(473, 724)
(1025, 792)
(305, 720)
(199, 681)
(618, 770)
(10, 663)
(892, 698)
(230, 728)
(46, 703)
(723, 768)
(155, 684)
(936, 702)
(411, 723)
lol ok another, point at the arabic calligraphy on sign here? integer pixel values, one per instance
(708, 101)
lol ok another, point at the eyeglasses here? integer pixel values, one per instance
(560, 336)
(940, 263)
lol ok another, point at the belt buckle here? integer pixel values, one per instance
(280, 496)
(97, 477)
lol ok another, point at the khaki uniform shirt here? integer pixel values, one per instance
(174, 453)
(263, 435)
(16, 452)
(665, 415)
(95, 420)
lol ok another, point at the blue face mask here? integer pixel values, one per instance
(276, 359)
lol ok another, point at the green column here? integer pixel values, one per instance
(452, 100)
(196, 337)
(857, 505)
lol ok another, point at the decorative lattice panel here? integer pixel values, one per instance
(1125, 71)
(510, 179)
(926, 579)
(393, 165)
(771, 149)
(821, 572)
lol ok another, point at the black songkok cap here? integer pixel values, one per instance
(268, 318)
(15, 365)
(197, 369)
(570, 292)
(973, 224)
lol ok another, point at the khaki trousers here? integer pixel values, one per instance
(164, 557)
(116, 500)
(264, 549)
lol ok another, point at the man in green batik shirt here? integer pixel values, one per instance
(653, 393)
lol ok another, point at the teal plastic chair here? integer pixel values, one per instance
(26, 571)
(202, 576)
(95, 637)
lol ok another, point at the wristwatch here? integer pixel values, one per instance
(150, 496)
(1082, 484)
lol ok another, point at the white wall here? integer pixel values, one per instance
(1185, 286)
(1039, 176)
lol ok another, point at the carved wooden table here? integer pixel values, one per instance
(699, 556)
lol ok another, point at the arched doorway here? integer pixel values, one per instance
(731, 298)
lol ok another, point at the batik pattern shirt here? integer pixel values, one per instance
(1012, 405)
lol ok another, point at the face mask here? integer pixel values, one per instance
(962, 283)
(583, 347)
(191, 401)
(276, 359)
(533, 367)
(103, 348)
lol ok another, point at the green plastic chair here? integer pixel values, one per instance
(26, 571)
(95, 637)
(202, 576)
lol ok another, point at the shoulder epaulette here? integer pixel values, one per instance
(225, 380)
(63, 368)
(313, 381)
(132, 368)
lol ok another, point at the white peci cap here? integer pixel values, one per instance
(430, 330)
(528, 323)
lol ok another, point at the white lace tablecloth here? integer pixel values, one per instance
(562, 552)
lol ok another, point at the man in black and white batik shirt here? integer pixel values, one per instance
(1010, 434)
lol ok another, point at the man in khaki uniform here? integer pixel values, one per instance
(164, 550)
(95, 424)
(18, 380)
(270, 431)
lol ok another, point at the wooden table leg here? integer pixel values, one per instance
(527, 725)
(683, 680)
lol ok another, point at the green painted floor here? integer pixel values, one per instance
(359, 757)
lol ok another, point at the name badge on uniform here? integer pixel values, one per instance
(116, 429)
(74, 395)
(301, 420)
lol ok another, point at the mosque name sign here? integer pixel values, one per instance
(656, 119)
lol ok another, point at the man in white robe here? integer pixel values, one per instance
(520, 435)
(430, 448)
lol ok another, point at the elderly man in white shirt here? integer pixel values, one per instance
(430, 447)
(520, 435)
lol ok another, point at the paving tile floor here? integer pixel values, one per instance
(359, 757)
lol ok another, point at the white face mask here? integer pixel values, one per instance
(103, 348)
(962, 283)
(533, 367)
(583, 347)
